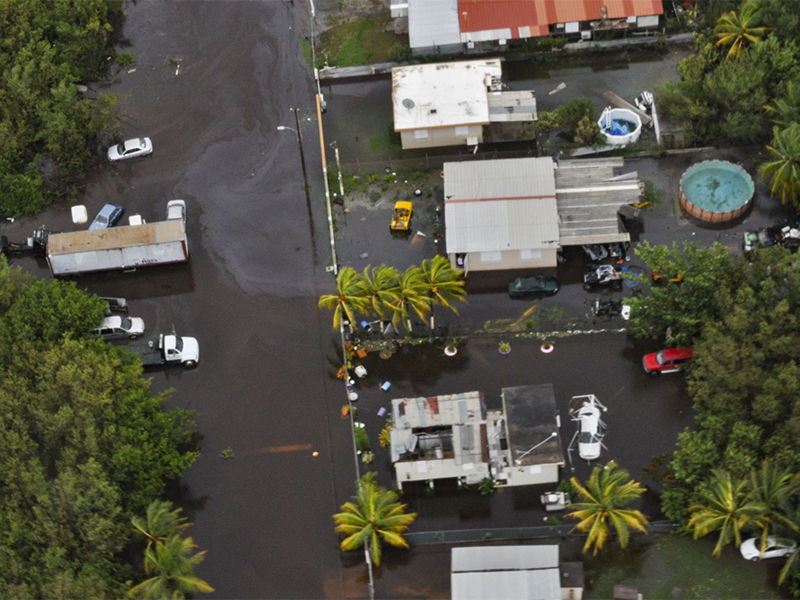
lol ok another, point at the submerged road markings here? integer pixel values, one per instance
(278, 449)
(289, 448)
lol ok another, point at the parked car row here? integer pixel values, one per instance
(167, 349)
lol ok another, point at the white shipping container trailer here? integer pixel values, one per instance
(129, 247)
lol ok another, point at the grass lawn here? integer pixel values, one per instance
(358, 42)
(672, 566)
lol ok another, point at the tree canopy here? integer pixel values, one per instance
(83, 443)
(46, 49)
(723, 100)
(740, 317)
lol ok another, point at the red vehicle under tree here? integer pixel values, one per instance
(667, 361)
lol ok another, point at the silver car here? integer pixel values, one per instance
(116, 327)
(130, 149)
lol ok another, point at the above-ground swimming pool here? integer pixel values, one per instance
(621, 126)
(716, 191)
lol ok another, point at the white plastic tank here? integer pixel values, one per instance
(621, 126)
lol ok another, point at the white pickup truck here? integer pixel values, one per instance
(171, 350)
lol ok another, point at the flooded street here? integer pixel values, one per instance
(212, 82)
(249, 291)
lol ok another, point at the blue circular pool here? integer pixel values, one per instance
(716, 191)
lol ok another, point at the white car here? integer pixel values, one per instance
(116, 327)
(591, 428)
(176, 209)
(130, 149)
(751, 549)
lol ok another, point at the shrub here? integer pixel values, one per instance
(126, 58)
(400, 53)
(362, 439)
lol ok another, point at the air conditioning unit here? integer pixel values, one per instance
(586, 35)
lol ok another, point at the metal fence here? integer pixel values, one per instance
(513, 533)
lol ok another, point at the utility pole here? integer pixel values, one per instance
(300, 144)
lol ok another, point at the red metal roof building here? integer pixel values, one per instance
(533, 18)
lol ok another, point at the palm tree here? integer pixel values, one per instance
(726, 506)
(773, 488)
(160, 522)
(411, 293)
(793, 517)
(443, 283)
(784, 168)
(736, 30)
(171, 565)
(351, 297)
(604, 497)
(786, 110)
(375, 515)
(382, 287)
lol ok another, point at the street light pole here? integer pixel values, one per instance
(300, 145)
(305, 176)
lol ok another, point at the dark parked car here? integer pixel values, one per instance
(107, 217)
(532, 286)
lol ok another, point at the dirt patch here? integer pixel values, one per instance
(355, 32)
(379, 190)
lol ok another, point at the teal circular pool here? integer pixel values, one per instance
(716, 191)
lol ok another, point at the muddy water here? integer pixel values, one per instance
(626, 74)
(249, 291)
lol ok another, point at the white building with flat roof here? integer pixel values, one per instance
(448, 104)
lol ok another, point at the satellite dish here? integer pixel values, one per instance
(408, 103)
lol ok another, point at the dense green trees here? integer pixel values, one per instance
(723, 100)
(682, 310)
(603, 504)
(83, 444)
(384, 291)
(745, 380)
(375, 516)
(46, 49)
(741, 317)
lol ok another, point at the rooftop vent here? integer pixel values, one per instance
(408, 103)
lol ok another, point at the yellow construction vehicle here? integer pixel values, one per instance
(402, 215)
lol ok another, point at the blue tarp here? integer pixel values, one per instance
(619, 127)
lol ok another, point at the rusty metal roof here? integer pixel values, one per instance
(531, 18)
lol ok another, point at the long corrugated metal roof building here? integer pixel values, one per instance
(516, 213)
(482, 21)
(505, 572)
